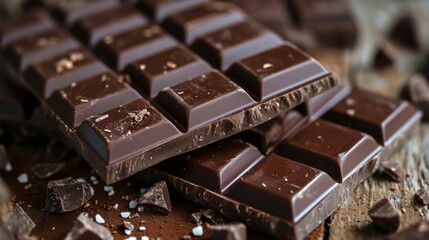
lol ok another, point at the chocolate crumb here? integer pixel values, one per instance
(66, 195)
(233, 231)
(385, 215)
(394, 169)
(157, 198)
(423, 196)
(85, 228)
(46, 170)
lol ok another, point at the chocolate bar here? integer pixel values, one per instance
(284, 194)
(187, 104)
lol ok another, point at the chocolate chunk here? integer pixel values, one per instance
(66, 195)
(191, 23)
(394, 169)
(423, 196)
(417, 91)
(3, 157)
(418, 231)
(224, 47)
(385, 215)
(165, 69)
(406, 31)
(267, 73)
(159, 10)
(383, 58)
(85, 228)
(46, 170)
(19, 223)
(233, 231)
(157, 198)
(212, 216)
(94, 27)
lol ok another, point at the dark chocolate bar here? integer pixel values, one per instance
(191, 104)
(287, 194)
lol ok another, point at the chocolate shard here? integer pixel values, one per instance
(394, 169)
(3, 156)
(417, 91)
(46, 170)
(66, 195)
(385, 215)
(212, 216)
(418, 231)
(85, 228)
(157, 198)
(233, 231)
(383, 59)
(19, 223)
(406, 32)
(422, 196)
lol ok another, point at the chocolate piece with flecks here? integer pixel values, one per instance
(423, 196)
(85, 228)
(66, 195)
(46, 170)
(19, 223)
(157, 198)
(234, 231)
(418, 231)
(385, 215)
(394, 169)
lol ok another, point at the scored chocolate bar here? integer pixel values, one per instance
(286, 194)
(186, 103)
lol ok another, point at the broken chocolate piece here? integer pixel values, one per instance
(19, 223)
(406, 32)
(157, 198)
(46, 170)
(66, 195)
(212, 216)
(418, 231)
(234, 231)
(3, 156)
(423, 196)
(417, 91)
(85, 228)
(394, 169)
(385, 215)
(383, 59)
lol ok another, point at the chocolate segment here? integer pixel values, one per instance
(120, 49)
(167, 68)
(125, 130)
(159, 10)
(80, 100)
(67, 12)
(224, 47)
(376, 115)
(59, 71)
(418, 231)
(281, 187)
(216, 166)
(202, 99)
(85, 228)
(191, 23)
(15, 28)
(66, 195)
(320, 147)
(34, 48)
(385, 215)
(93, 28)
(157, 198)
(266, 74)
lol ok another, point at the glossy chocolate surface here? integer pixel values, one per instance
(283, 67)
(215, 166)
(332, 148)
(34, 48)
(167, 68)
(224, 47)
(67, 12)
(93, 28)
(373, 114)
(126, 129)
(120, 49)
(160, 9)
(202, 99)
(189, 24)
(78, 101)
(282, 187)
(61, 70)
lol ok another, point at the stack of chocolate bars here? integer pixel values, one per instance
(177, 81)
